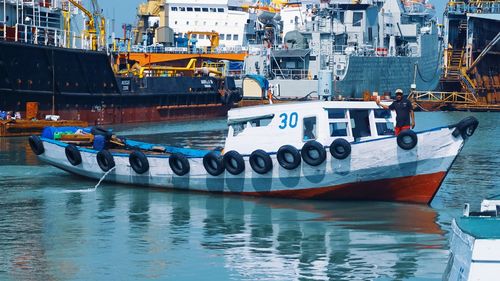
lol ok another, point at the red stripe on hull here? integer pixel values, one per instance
(115, 115)
(413, 189)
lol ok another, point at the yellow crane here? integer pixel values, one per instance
(91, 30)
(212, 36)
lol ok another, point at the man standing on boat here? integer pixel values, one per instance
(405, 117)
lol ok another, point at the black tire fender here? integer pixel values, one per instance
(260, 161)
(467, 126)
(73, 155)
(340, 149)
(36, 145)
(288, 157)
(179, 164)
(213, 163)
(407, 139)
(313, 153)
(138, 161)
(233, 162)
(105, 160)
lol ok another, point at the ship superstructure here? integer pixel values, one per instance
(364, 46)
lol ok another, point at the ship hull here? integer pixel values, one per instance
(81, 85)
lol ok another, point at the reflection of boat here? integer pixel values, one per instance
(315, 239)
(261, 156)
(475, 241)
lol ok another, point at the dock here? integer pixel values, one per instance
(20, 127)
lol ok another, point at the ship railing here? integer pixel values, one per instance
(369, 51)
(295, 74)
(443, 97)
(180, 50)
(478, 7)
(32, 34)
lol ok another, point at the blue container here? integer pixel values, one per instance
(48, 132)
(99, 142)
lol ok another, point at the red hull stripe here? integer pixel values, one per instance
(414, 189)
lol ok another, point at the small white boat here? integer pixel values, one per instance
(309, 150)
(475, 244)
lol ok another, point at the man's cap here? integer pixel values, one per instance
(399, 92)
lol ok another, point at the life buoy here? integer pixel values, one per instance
(313, 153)
(466, 127)
(138, 161)
(179, 164)
(288, 157)
(340, 149)
(233, 162)
(407, 139)
(102, 132)
(105, 160)
(36, 144)
(73, 155)
(213, 163)
(260, 161)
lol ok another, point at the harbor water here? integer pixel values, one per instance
(55, 226)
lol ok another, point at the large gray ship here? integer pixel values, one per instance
(361, 46)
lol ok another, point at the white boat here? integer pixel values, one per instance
(475, 244)
(310, 150)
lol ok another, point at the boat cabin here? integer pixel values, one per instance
(271, 126)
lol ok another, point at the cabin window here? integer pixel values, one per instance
(173, 9)
(309, 132)
(341, 17)
(385, 129)
(197, 9)
(220, 10)
(383, 122)
(238, 128)
(204, 9)
(360, 122)
(182, 9)
(222, 36)
(357, 18)
(228, 36)
(235, 37)
(338, 129)
(189, 9)
(213, 10)
(336, 113)
(338, 122)
(261, 122)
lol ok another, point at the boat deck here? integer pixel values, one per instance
(480, 227)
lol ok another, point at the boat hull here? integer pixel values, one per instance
(375, 170)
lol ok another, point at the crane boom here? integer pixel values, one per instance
(91, 29)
